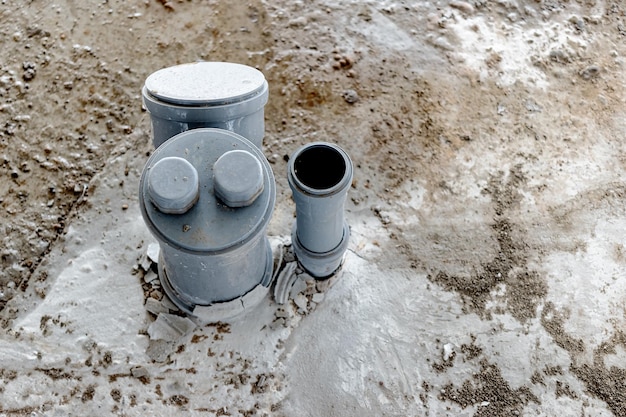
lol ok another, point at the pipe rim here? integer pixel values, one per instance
(210, 112)
(205, 83)
(342, 183)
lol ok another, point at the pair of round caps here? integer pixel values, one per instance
(173, 183)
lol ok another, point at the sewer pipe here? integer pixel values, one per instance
(219, 95)
(207, 196)
(319, 176)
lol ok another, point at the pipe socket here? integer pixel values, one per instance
(207, 196)
(319, 176)
(219, 95)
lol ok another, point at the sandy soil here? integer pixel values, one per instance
(486, 271)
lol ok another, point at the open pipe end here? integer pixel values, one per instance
(320, 168)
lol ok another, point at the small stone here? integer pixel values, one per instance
(145, 263)
(278, 323)
(29, 74)
(155, 307)
(462, 6)
(170, 327)
(532, 106)
(29, 70)
(590, 72)
(160, 350)
(289, 255)
(153, 252)
(318, 297)
(150, 276)
(139, 372)
(350, 96)
(281, 313)
(578, 23)
(301, 302)
(297, 288)
(298, 22)
(448, 351)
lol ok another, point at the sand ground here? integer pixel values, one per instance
(485, 274)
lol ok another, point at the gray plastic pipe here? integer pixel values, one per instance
(319, 176)
(207, 196)
(220, 95)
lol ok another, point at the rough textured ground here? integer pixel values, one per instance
(485, 275)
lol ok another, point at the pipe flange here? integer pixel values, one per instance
(320, 265)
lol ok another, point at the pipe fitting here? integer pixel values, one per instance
(319, 176)
(219, 95)
(207, 196)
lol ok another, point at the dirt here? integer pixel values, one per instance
(524, 289)
(490, 392)
(462, 155)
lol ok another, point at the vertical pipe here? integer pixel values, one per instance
(207, 196)
(320, 175)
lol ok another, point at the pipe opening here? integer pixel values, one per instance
(320, 167)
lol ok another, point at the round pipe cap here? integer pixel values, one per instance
(173, 185)
(205, 83)
(238, 178)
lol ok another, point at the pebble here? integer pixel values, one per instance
(558, 55)
(298, 22)
(578, 23)
(298, 287)
(139, 372)
(29, 70)
(281, 313)
(532, 106)
(150, 276)
(318, 297)
(159, 350)
(155, 307)
(448, 351)
(22, 118)
(462, 6)
(289, 256)
(153, 252)
(350, 96)
(145, 263)
(170, 327)
(590, 72)
(302, 303)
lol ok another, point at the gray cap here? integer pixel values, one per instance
(238, 178)
(173, 185)
(209, 226)
(205, 83)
